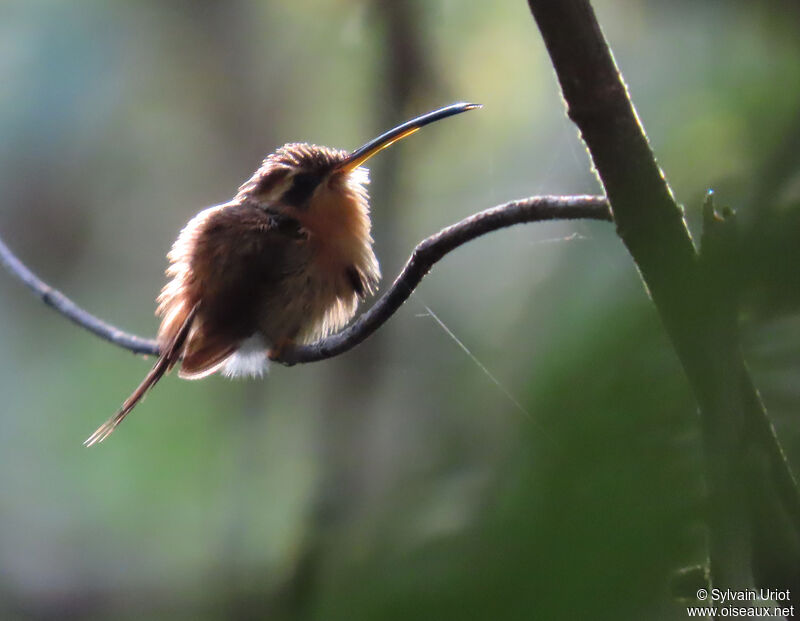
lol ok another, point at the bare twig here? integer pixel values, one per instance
(61, 303)
(425, 255)
(432, 249)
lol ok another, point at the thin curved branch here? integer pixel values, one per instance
(430, 250)
(61, 303)
(425, 255)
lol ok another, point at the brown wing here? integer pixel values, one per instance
(205, 355)
(220, 262)
(225, 260)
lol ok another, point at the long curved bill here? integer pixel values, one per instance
(362, 154)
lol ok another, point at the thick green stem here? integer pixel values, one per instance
(690, 295)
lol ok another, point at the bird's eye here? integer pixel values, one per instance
(303, 186)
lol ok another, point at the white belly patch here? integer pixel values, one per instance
(250, 360)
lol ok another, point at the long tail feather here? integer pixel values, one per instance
(165, 362)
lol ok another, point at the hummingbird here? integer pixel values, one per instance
(286, 261)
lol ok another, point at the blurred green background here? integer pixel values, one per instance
(397, 481)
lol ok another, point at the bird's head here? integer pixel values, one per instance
(302, 177)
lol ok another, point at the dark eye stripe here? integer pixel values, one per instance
(303, 186)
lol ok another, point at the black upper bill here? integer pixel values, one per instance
(362, 154)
